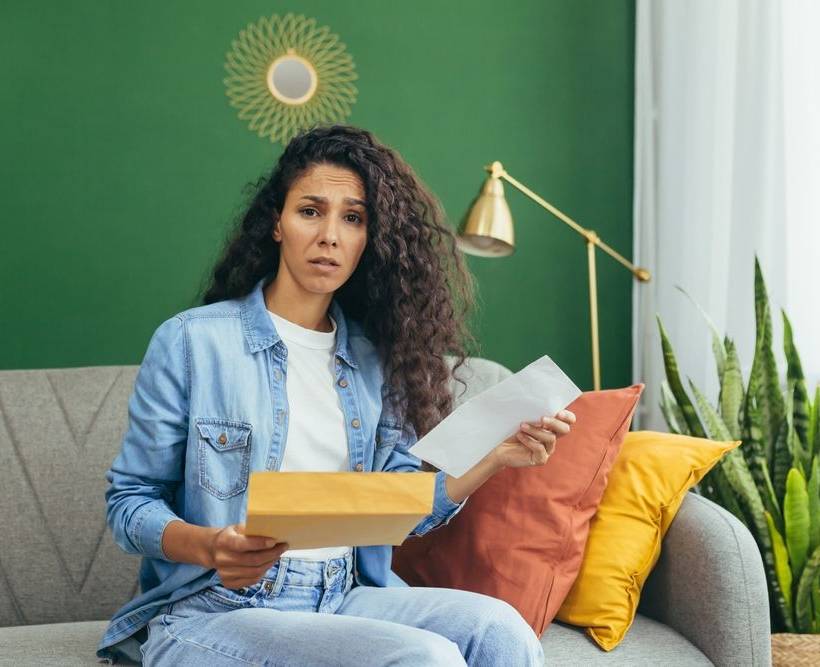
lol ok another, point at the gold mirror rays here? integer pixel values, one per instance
(286, 74)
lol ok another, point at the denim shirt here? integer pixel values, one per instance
(209, 406)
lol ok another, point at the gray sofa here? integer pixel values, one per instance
(62, 576)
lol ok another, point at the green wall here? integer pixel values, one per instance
(123, 161)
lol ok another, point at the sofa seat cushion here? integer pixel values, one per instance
(69, 644)
(647, 643)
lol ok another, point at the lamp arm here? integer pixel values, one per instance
(498, 172)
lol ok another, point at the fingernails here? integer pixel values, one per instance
(270, 542)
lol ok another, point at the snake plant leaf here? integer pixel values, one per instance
(796, 516)
(731, 391)
(813, 490)
(794, 371)
(801, 457)
(737, 473)
(743, 476)
(725, 495)
(717, 344)
(815, 602)
(669, 418)
(782, 456)
(782, 569)
(752, 431)
(715, 427)
(734, 465)
(763, 378)
(670, 410)
(809, 581)
(675, 384)
(769, 497)
(814, 423)
(753, 452)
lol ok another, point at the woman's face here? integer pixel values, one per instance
(324, 214)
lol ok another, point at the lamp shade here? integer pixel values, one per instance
(487, 230)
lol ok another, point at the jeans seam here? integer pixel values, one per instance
(222, 599)
(182, 640)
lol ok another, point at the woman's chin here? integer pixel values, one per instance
(322, 284)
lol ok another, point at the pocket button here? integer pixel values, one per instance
(359, 467)
(223, 438)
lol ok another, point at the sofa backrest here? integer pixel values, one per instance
(60, 429)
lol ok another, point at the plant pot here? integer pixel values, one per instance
(792, 649)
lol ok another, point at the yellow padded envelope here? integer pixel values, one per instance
(325, 509)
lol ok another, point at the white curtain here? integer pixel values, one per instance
(721, 162)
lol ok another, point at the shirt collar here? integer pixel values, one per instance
(260, 331)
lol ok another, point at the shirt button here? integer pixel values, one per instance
(355, 423)
(342, 382)
(223, 439)
(359, 467)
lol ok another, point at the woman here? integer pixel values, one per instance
(320, 346)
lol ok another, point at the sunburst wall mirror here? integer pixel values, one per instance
(286, 73)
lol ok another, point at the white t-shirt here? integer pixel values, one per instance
(316, 438)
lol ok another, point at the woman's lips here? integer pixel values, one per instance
(325, 268)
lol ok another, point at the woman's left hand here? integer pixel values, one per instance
(534, 442)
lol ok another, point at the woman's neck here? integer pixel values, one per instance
(306, 309)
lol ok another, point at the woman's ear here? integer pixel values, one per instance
(276, 233)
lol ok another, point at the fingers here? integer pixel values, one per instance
(567, 416)
(232, 547)
(244, 568)
(241, 578)
(560, 424)
(250, 558)
(540, 452)
(236, 540)
(541, 434)
(266, 555)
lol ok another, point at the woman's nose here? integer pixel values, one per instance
(328, 232)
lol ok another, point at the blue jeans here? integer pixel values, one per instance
(331, 622)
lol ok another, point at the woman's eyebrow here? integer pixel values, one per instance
(323, 200)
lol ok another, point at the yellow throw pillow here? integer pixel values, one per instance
(645, 489)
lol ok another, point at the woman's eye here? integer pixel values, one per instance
(304, 211)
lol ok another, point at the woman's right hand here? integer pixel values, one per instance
(241, 560)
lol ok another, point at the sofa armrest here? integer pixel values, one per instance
(710, 586)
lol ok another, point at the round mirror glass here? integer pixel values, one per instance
(291, 79)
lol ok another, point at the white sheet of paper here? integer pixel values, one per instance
(477, 426)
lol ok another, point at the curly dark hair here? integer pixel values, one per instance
(411, 290)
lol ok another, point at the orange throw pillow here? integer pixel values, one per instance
(521, 537)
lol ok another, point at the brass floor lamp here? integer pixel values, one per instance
(487, 231)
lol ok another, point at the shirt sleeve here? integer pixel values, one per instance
(149, 466)
(401, 460)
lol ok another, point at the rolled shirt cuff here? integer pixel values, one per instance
(444, 507)
(149, 524)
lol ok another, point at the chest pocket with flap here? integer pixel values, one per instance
(224, 450)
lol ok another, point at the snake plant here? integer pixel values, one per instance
(772, 481)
